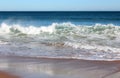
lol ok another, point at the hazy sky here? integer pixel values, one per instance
(59, 5)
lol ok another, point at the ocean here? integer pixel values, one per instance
(61, 34)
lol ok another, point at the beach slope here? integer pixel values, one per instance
(26, 67)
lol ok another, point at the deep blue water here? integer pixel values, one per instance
(47, 18)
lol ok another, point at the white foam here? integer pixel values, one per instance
(6, 29)
(95, 38)
(98, 28)
(93, 47)
(3, 43)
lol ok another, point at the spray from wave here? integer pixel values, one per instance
(96, 41)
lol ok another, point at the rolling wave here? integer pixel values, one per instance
(64, 28)
(100, 41)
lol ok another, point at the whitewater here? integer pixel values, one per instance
(61, 40)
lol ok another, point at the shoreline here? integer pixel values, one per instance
(26, 67)
(59, 58)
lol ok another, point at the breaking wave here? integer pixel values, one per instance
(99, 40)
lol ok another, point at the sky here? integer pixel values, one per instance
(59, 5)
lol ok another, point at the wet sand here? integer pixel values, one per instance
(26, 67)
(7, 75)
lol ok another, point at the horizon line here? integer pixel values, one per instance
(60, 11)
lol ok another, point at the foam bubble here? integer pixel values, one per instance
(3, 43)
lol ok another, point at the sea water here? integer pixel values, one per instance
(78, 35)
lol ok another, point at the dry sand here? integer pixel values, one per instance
(25, 67)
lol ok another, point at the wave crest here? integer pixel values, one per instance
(61, 27)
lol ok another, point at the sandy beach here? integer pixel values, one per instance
(7, 75)
(25, 67)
